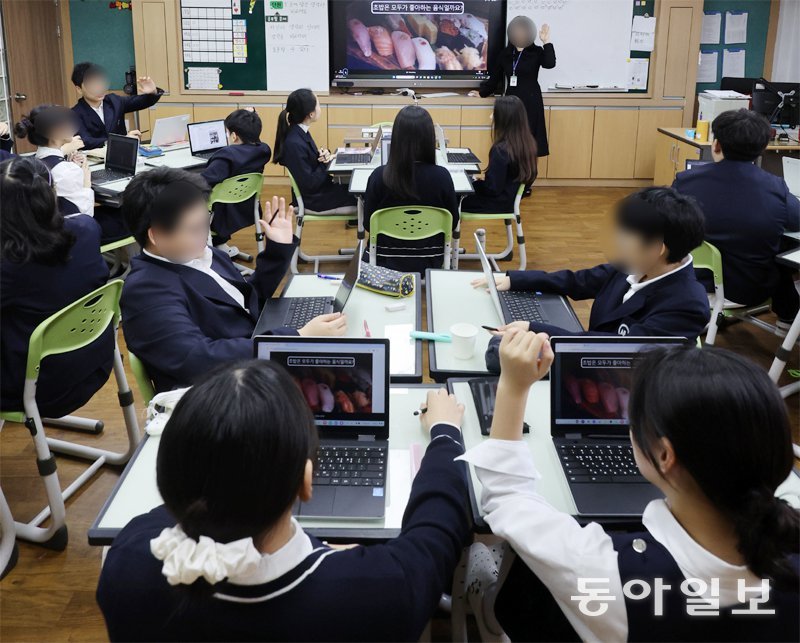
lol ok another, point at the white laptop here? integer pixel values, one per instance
(171, 132)
(791, 174)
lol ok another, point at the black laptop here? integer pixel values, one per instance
(296, 312)
(590, 383)
(122, 153)
(514, 305)
(693, 163)
(346, 383)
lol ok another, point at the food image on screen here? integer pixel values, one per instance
(595, 388)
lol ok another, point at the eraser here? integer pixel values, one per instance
(393, 308)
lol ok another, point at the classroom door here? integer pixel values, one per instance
(33, 47)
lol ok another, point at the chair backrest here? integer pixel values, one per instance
(518, 198)
(707, 257)
(298, 197)
(75, 326)
(382, 124)
(237, 189)
(410, 222)
(143, 380)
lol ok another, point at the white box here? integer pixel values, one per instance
(711, 106)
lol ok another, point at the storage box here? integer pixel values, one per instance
(712, 104)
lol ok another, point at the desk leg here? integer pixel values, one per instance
(782, 356)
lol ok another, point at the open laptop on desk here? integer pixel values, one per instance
(453, 158)
(122, 153)
(693, 163)
(360, 155)
(346, 383)
(171, 132)
(296, 312)
(590, 383)
(206, 138)
(528, 306)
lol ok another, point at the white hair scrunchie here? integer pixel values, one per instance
(186, 559)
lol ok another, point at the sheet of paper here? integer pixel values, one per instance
(707, 67)
(712, 25)
(735, 27)
(203, 78)
(733, 63)
(637, 73)
(724, 93)
(643, 33)
(206, 32)
(401, 354)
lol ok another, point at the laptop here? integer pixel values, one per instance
(122, 153)
(206, 138)
(791, 174)
(296, 312)
(527, 306)
(346, 383)
(693, 163)
(590, 383)
(454, 157)
(360, 155)
(171, 132)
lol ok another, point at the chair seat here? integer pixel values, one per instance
(12, 416)
(120, 243)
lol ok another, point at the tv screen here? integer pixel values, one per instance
(408, 44)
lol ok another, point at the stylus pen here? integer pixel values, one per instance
(329, 277)
(421, 411)
(490, 328)
(367, 332)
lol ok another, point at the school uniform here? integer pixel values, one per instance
(183, 320)
(434, 185)
(226, 162)
(301, 158)
(496, 193)
(5, 148)
(305, 591)
(672, 305)
(94, 126)
(30, 293)
(746, 213)
(542, 599)
(67, 177)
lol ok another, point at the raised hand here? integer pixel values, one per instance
(525, 358)
(146, 85)
(544, 34)
(278, 221)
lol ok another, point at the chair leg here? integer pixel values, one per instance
(298, 232)
(716, 314)
(523, 254)
(75, 423)
(8, 538)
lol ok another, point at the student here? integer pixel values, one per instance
(298, 153)
(411, 177)
(244, 154)
(5, 142)
(746, 211)
(512, 160)
(52, 129)
(101, 113)
(236, 454)
(46, 262)
(186, 306)
(710, 430)
(651, 290)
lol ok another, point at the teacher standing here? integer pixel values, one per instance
(517, 67)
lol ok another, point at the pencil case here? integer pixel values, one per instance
(385, 281)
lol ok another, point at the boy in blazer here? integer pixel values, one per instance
(186, 306)
(100, 113)
(650, 291)
(244, 154)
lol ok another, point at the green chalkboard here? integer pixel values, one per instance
(103, 36)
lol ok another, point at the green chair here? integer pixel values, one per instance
(143, 381)
(303, 216)
(70, 329)
(382, 124)
(409, 223)
(119, 255)
(508, 218)
(238, 189)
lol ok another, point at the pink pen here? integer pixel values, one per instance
(367, 332)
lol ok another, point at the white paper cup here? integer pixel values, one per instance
(464, 336)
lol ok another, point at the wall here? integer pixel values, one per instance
(104, 36)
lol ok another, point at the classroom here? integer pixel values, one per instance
(364, 320)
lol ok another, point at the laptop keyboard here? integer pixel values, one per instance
(204, 155)
(107, 176)
(303, 309)
(599, 463)
(354, 159)
(351, 466)
(462, 157)
(523, 306)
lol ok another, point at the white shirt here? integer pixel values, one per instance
(637, 284)
(303, 127)
(559, 551)
(68, 181)
(203, 264)
(99, 112)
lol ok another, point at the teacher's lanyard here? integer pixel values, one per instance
(512, 82)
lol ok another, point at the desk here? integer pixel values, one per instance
(405, 353)
(451, 299)
(136, 491)
(792, 235)
(334, 167)
(791, 259)
(359, 178)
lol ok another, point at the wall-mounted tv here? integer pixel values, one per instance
(413, 44)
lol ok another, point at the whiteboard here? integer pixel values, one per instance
(591, 39)
(297, 45)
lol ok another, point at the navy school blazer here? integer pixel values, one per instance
(94, 132)
(179, 321)
(226, 162)
(675, 306)
(5, 148)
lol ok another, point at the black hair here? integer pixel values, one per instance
(742, 134)
(413, 141)
(730, 430)
(245, 123)
(31, 227)
(299, 104)
(158, 198)
(84, 71)
(510, 129)
(663, 214)
(42, 120)
(233, 454)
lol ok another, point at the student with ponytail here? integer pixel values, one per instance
(296, 150)
(711, 431)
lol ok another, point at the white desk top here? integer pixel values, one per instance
(137, 493)
(791, 258)
(358, 180)
(792, 235)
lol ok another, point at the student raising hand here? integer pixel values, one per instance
(278, 222)
(146, 85)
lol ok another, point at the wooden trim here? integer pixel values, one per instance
(772, 35)
(67, 56)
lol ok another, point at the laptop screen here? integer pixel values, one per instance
(591, 379)
(121, 153)
(691, 164)
(344, 380)
(349, 280)
(207, 136)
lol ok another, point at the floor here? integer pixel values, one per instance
(49, 596)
